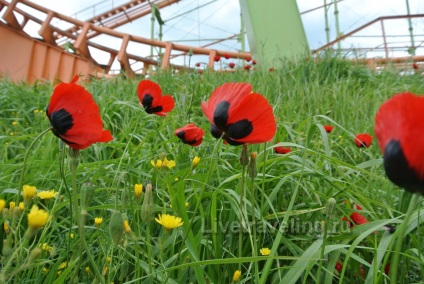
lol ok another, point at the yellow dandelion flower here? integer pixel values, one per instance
(12, 206)
(176, 179)
(21, 206)
(195, 162)
(168, 163)
(45, 247)
(48, 194)
(45, 270)
(2, 205)
(63, 265)
(15, 123)
(169, 222)
(29, 192)
(265, 251)
(37, 218)
(127, 227)
(105, 270)
(87, 270)
(186, 204)
(138, 190)
(108, 259)
(157, 164)
(98, 221)
(6, 227)
(236, 275)
(71, 235)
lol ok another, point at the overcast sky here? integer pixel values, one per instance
(221, 18)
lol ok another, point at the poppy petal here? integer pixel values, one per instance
(232, 93)
(255, 118)
(399, 125)
(190, 134)
(150, 96)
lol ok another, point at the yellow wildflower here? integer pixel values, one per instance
(22, 206)
(169, 222)
(45, 247)
(87, 270)
(15, 123)
(138, 190)
(236, 275)
(2, 205)
(48, 194)
(186, 204)
(159, 164)
(108, 259)
(195, 162)
(37, 218)
(265, 251)
(29, 191)
(63, 265)
(98, 221)
(45, 270)
(127, 227)
(12, 205)
(6, 227)
(71, 235)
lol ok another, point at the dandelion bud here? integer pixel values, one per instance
(87, 192)
(2, 205)
(127, 227)
(330, 207)
(35, 253)
(116, 227)
(7, 249)
(28, 192)
(251, 169)
(6, 227)
(244, 157)
(236, 275)
(5, 212)
(147, 209)
(17, 212)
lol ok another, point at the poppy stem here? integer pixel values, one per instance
(74, 202)
(21, 179)
(255, 246)
(242, 223)
(415, 200)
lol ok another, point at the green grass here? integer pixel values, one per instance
(290, 191)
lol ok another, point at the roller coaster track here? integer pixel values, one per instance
(23, 58)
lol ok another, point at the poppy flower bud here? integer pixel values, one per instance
(86, 192)
(124, 267)
(116, 227)
(244, 157)
(251, 169)
(147, 209)
(330, 207)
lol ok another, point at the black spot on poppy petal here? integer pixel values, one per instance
(147, 104)
(181, 135)
(239, 129)
(398, 170)
(215, 131)
(232, 142)
(220, 114)
(61, 121)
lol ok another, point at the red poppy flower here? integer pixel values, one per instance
(226, 56)
(75, 116)
(399, 128)
(238, 115)
(190, 134)
(198, 64)
(216, 58)
(339, 266)
(246, 67)
(363, 140)
(150, 96)
(231, 65)
(328, 128)
(281, 150)
(415, 66)
(355, 218)
(248, 59)
(271, 69)
(254, 62)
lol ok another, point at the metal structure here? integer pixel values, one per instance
(274, 28)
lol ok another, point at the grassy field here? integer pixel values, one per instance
(223, 231)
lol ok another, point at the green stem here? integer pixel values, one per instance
(399, 242)
(255, 245)
(21, 178)
(322, 252)
(3, 276)
(83, 244)
(242, 223)
(149, 251)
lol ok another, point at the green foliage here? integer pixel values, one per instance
(290, 191)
